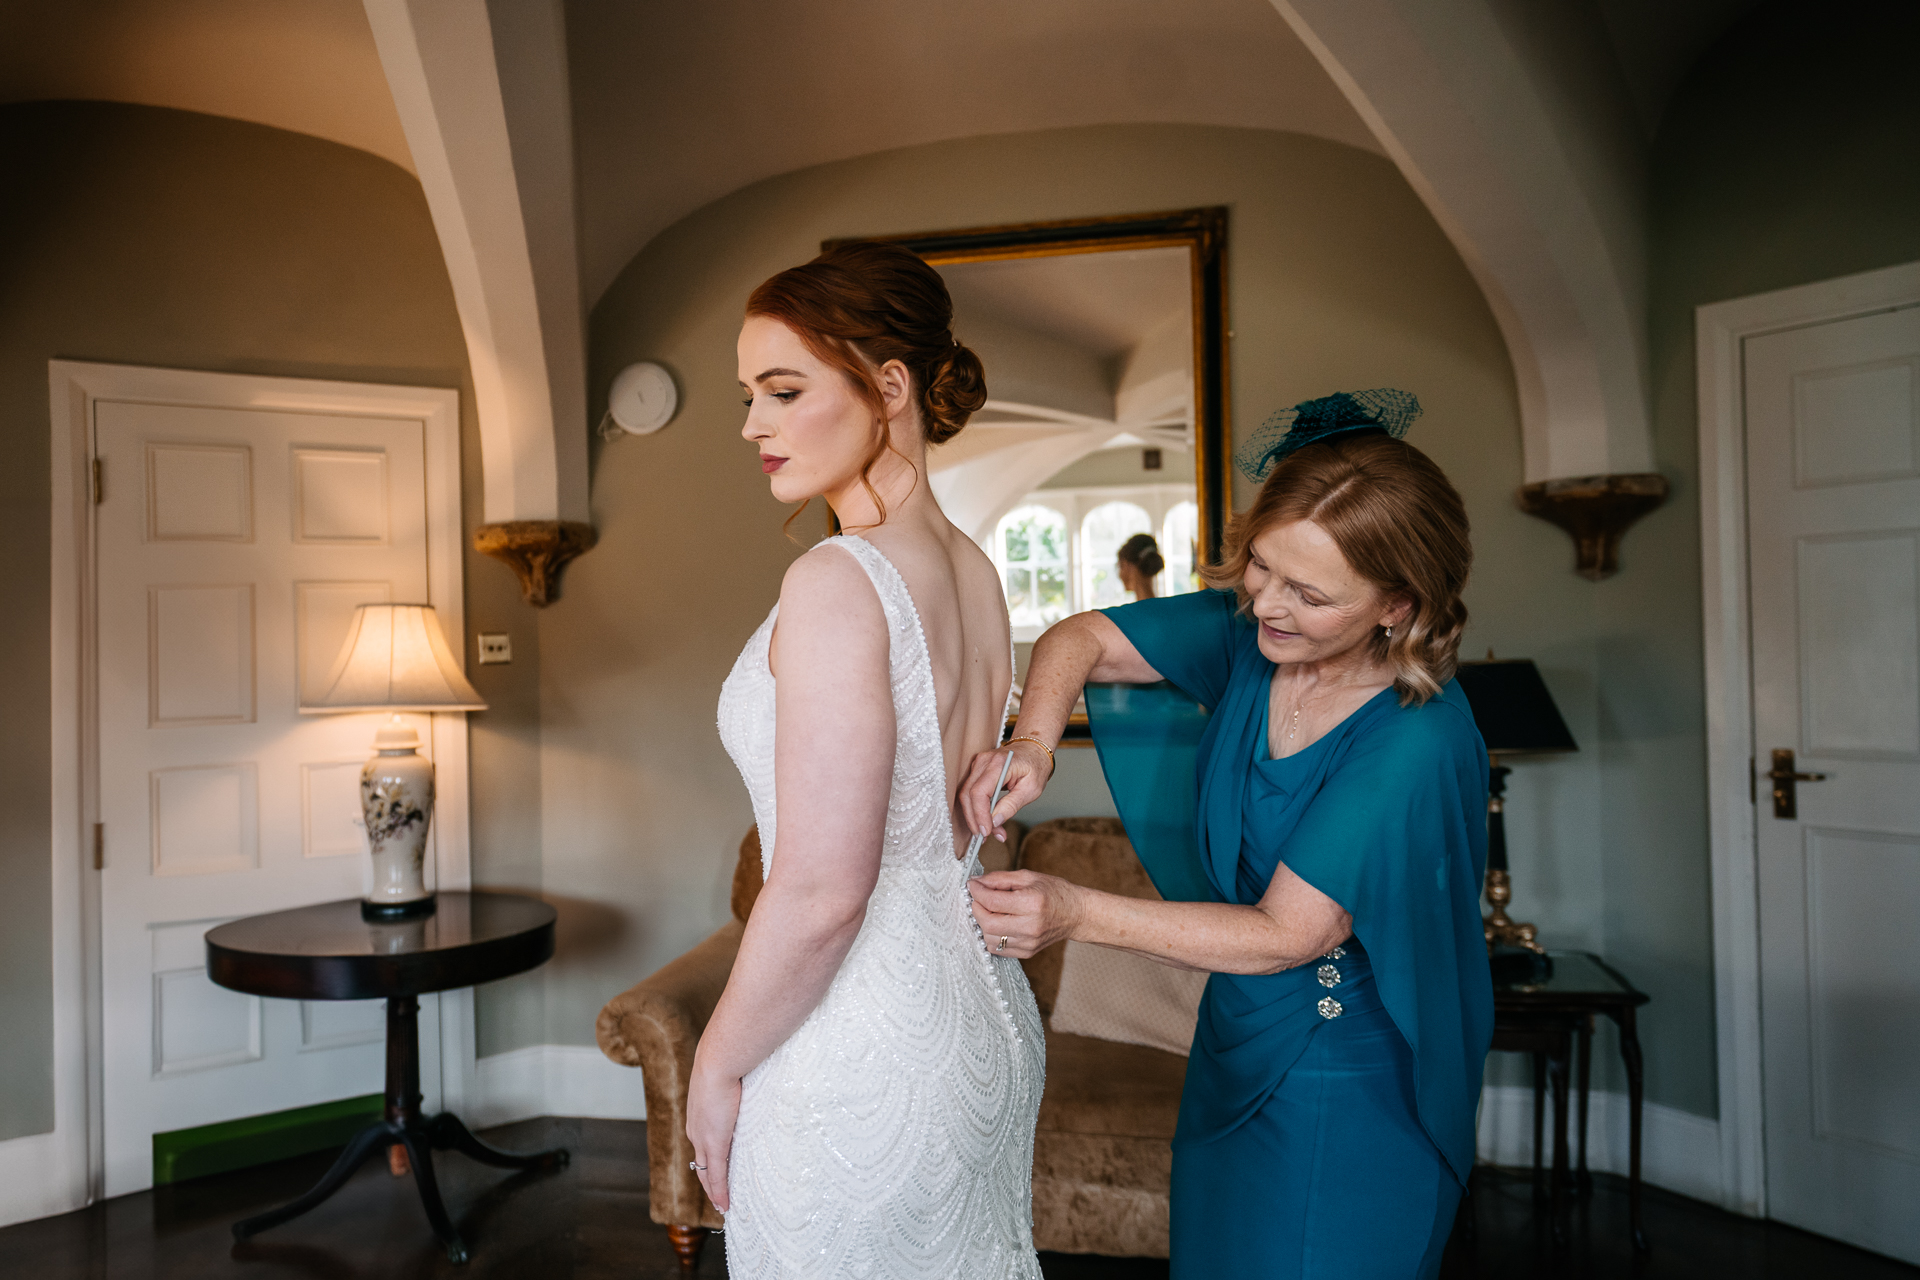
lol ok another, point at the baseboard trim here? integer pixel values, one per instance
(554, 1080)
(1680, 1151)
(35, 1181)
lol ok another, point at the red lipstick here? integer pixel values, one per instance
(770, 464)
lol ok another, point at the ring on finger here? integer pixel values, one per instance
(1003, 944)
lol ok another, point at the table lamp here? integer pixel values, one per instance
(1516, 716)
(396, 659)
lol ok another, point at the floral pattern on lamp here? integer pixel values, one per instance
(396, 800)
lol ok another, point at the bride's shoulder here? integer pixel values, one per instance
(829, 581)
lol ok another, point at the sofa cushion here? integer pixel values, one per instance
(1094, 852)
(1099, 1087)
(1098, 1194)
(1120, 996)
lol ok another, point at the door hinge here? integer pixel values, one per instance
(99, 482)
(99, 846)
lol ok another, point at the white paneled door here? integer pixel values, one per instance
(1833, 458)
(231, 548)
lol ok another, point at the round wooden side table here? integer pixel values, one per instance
(328, 952)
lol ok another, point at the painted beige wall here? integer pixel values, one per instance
(1787, 157)
(139, 235)
(1338, 279)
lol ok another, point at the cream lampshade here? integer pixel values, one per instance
(396, 659)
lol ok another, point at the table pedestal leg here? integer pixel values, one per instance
(1636, 1090)
(446, 1131)
(1557, 1075)
(375, 1137)
(1539, 1132)
(1583, 1033)
(415, 1139)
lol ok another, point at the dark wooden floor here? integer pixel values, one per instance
(589, 1221)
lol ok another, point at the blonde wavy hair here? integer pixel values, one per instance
(1400, 524)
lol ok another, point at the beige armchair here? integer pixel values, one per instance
(1102, 1155)
(1101, 1158)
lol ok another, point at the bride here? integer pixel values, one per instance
(863, 1100)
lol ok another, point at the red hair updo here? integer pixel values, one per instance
(861, 304)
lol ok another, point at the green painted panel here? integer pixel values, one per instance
(236, 1144)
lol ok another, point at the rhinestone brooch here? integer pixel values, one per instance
(1328, 975)
(1334, 954)
(1330, 1008)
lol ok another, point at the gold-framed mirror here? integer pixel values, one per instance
(1104, 341)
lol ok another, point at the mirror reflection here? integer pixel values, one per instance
(1078, 477)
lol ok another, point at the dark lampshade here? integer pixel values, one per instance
(1512, 708)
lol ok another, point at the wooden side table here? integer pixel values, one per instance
(328, 952)
(1553, 1021)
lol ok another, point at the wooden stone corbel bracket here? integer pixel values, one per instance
(1596, 510)
(536, 551)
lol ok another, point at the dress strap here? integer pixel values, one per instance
(915, 702)
(896, 602)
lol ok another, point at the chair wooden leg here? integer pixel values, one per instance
(686, 1244)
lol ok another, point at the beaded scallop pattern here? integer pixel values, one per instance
(891, 1136)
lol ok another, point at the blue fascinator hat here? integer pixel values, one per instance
(1311, 421)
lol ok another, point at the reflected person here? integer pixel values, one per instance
(1139, 563)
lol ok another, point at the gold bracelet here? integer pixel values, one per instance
(1036, 742)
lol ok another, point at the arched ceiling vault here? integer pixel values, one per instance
(1514, 126)
(555, 138)
(1513, 122)
(677, 104)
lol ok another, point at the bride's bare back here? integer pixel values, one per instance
(963, 613)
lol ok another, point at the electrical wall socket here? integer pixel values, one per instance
(495, 647)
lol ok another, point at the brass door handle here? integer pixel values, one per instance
(1786, 801)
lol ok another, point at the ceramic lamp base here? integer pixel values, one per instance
(396, 801)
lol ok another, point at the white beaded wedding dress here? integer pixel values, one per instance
(891, 1136)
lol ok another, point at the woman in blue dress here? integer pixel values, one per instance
(1317, 827)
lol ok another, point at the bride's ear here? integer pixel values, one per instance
(896, 388)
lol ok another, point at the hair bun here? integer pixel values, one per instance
(1143, 553)
(956, 389)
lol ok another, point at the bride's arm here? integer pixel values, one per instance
(833, 769)
(1083, 647)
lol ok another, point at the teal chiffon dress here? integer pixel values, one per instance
(1327, 1126)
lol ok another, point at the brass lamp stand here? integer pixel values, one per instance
(1500, 929)
(1516, 716)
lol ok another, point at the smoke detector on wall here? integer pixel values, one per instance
(642, 401)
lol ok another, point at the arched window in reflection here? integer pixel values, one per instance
(1101, 533)
(1179, 537)
(1030, 548)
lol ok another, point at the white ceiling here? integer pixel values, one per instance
(304, 65)
(677, 103)
(1103, 303)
